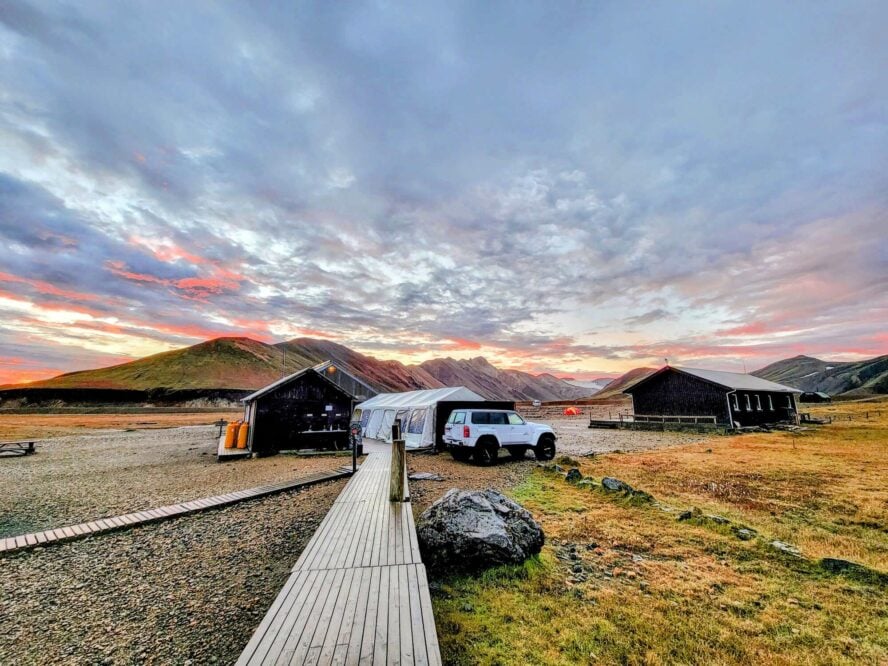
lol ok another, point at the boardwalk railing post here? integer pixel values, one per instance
(399, 463)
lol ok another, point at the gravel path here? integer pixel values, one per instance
(191, 590)
(80, 478)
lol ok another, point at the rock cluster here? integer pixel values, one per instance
(473, 530)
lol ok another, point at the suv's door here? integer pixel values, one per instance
(453, 427)
(499, 424)
(519, 430)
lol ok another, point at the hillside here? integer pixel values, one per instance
(847, 379)
(232, 363)
(243, 363)
(621, 383)
(387, 376)
(485, 379)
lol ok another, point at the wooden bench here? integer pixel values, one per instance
(22, 448)
(358, 593)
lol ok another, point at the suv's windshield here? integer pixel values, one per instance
(514, 419)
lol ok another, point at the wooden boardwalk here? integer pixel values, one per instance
(359, 593)
(105, 525)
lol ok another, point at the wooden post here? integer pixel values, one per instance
(399, 464)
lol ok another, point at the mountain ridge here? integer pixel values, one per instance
(243, 363)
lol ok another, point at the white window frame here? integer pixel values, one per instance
(758, 402)
(736, 403)
(770, 403)
(748, 403)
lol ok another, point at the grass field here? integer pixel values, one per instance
(621, 580)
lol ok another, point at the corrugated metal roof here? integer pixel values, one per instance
(319, 369)
(422, 398)
(737, 380)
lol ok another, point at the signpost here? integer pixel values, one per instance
(399, 464)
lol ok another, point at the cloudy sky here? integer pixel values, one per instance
(577, 187)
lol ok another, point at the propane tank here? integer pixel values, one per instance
(242, 433)
(231, 435)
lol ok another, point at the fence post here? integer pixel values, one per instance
(399, 464)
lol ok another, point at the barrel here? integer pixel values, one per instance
(242, 433)
(231, 435)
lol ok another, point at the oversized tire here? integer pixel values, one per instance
(516, 452)
(545, 448)
(460, 454)
(485, 452)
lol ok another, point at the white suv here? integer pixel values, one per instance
(481, 433)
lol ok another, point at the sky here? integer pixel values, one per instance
(578, 188)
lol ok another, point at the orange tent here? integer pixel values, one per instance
(572, 411)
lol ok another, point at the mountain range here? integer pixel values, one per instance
(244, 363)
(846, 379)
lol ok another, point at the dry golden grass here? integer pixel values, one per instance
(42, 426)
(645, 588)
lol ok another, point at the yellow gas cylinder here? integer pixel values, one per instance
(242, 433)
(231, 435)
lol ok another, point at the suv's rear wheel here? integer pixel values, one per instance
(545, 448)
(461, 454)
(485, 452)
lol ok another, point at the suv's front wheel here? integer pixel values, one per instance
(545, 448)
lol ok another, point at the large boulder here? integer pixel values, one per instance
(471, 530)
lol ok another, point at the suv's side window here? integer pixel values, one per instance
(514, 419)
(498, 418)
(481, 418)
(458, 417)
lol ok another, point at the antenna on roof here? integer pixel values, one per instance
(744, 366)
(667, 361)
(283, 361)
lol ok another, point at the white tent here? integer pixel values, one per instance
(416, 409)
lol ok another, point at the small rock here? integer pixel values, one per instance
(720, 520)
(786, 548)
(615, 485)
(745, 534)
(574, 475)
(425, 476)
(686, 515)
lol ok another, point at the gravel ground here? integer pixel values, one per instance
(190, 590)
(463, 475)
(576, 438)
(84, 477)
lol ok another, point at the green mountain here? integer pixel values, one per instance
(846, 379)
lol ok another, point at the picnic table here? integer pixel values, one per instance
(20, 448)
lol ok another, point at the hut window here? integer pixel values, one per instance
(770, 403)
(748, 403)
(758, 403)
(736, 404)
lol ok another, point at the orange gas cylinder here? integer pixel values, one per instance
(231, 435)
(242, 433)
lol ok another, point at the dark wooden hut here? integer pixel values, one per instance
(306, 410)
(730, 398)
